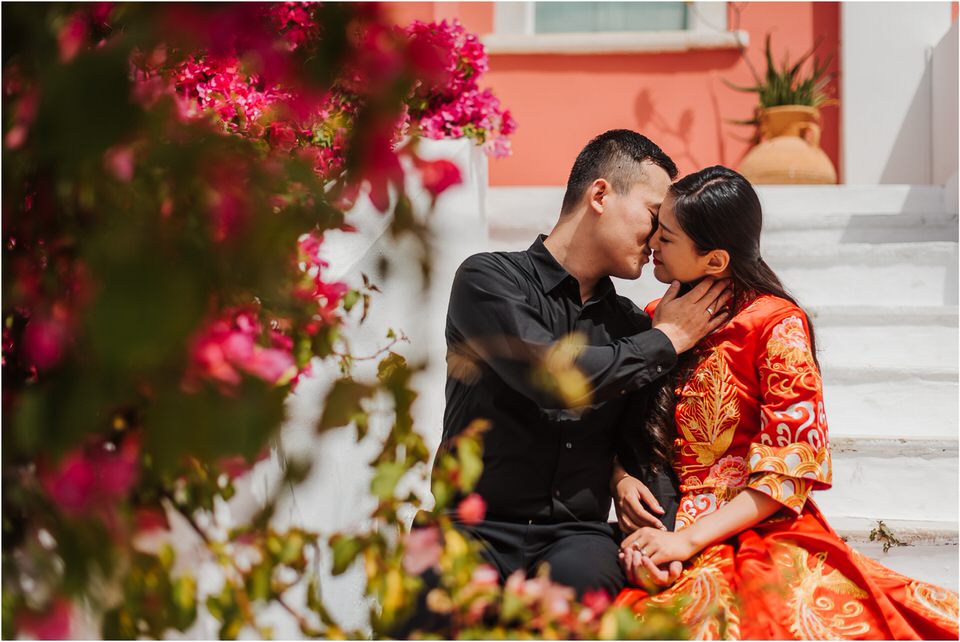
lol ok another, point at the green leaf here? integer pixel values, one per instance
(342, 404)
(259, 581)
(386, 477)
(345, 550)
(350, 299)
(292, 548)
(471, 463)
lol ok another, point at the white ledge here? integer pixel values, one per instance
(606, 43)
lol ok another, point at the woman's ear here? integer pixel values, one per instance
(717, 262)
(598, 189)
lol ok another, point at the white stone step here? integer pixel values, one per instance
(930, 553)
(891, 406)
(887, 338)
(905, 480)
(933, 563)
(921, 274)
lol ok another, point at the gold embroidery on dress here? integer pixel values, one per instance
(787, 474)
(814, 615)
(709, 411)
(709, 607)
(939, 603)
(936, 602)
(789, 491)
(789, 361)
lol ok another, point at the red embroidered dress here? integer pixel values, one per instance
(751, 416)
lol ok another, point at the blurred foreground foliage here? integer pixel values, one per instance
(169, 173)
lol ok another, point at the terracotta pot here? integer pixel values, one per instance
(790, 149)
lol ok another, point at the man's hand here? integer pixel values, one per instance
(631, 496)
(641, 571)
(687, 319)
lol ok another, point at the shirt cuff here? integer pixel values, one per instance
(662, 357)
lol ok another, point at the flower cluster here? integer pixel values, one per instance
(455, 106)
(172, 170)
(94, 477)
(326, 295)
(474, 114)
(222, 87)
(460, 56)
(229, 346)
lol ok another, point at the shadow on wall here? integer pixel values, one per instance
(911, 153)
(649, 116)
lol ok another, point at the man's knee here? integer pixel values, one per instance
(598, 570)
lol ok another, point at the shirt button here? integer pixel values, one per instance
(659, 368)
(569, 445)
(556, 493)
(623, 392)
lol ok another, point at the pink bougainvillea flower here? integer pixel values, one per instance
(45, 342)
(422, 549)
(73, 485)
(438, 175)
(472, 509)
(271, 365)
(53, 624)
(228, 346)
(295, 21)
(485, 575)
(150, 518)
(516, 583)
(309, 246)
(282, 136)
(597, 601)
(380, 166)
(227, 200)
(24, 114)
(72, 35)
(556, 598)
(118, 161)
(15, 137)
(94, 477)
(329, 296)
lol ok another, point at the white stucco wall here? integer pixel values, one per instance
(944, 74)
(887, 91)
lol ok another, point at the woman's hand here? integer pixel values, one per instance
(660, 546)
(641, 571)
(630, 497)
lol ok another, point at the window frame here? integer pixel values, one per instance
(513, 32)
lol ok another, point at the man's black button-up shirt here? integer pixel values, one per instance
(543, 460)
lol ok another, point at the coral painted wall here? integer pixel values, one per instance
(677, 99)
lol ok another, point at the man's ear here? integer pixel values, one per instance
(597, 191)
(717, 262)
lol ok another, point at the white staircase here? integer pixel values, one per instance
(877, 269)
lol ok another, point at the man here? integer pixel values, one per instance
(548, 457)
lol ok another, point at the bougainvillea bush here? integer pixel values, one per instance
(169, 172)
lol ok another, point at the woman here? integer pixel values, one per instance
(743, 426)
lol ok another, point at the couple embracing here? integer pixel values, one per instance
(704, 418)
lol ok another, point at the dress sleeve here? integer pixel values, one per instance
(493, 317)
(790, 456)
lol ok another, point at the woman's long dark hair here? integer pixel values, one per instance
(718, 209)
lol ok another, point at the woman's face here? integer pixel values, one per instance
(675, 257)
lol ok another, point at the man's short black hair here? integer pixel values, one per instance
(616, 155)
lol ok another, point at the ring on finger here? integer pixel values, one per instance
(710, 311)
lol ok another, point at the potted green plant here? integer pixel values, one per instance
(787, 120)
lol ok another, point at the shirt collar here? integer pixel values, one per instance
(552, 274)
(549, 270)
